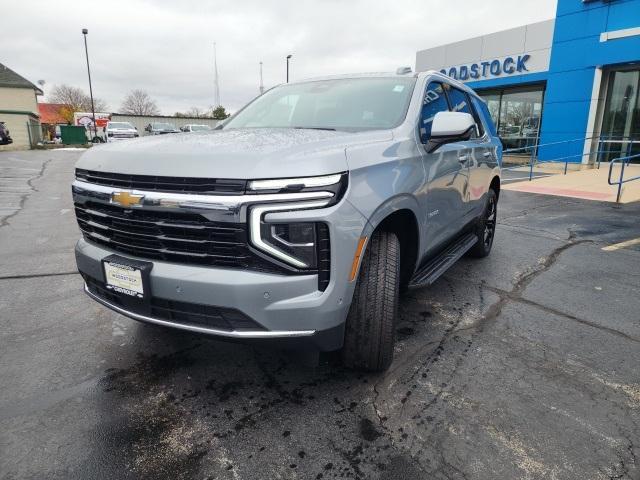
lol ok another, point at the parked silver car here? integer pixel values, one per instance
(301, 219)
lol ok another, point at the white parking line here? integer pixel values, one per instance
(618, 246)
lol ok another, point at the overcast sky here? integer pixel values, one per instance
(166, 47)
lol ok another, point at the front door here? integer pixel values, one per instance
(445, 204)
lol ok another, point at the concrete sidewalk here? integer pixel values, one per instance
(584, 184)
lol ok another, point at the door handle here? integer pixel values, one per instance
(463, 158)
(487, 154)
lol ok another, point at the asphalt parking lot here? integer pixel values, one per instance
(522, 365)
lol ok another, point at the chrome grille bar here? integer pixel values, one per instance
(169, 200)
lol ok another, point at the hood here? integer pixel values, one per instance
(238, 153)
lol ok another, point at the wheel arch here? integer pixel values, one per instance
(400, 217)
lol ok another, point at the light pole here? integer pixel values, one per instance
(288, 57)
(93, 110)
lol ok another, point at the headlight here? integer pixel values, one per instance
(296, 240)
(335, 183)
(294, 243)
(297, 243)
(295, 183)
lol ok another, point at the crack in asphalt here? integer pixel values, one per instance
(492, 313)
(531, 231)
(23, 198)
(38, 275)
(523, 282)
(560, 313)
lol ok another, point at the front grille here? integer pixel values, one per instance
(218, 186)
(170, 236)
(197, 314)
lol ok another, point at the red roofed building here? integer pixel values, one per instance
(52, 113)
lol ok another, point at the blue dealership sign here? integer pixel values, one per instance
(490, 68)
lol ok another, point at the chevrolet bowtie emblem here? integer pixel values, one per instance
(126, 199)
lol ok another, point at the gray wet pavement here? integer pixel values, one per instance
(521, 365)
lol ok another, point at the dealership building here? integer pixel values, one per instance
(570, 84)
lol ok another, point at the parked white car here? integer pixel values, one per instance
(195, 128)
(120, 131)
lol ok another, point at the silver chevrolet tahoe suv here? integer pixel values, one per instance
(301, 219)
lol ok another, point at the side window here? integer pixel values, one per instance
(460, 103)
(483, 111)
(434, 101)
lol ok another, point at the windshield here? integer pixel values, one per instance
(120, 125)
(351, 104)
(197, 128)
(163, 126)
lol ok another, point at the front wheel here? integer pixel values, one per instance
(370, 328)
(486, 227)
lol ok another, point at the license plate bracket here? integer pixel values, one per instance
(128, 278)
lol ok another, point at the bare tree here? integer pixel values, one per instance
(138, 102)
(196, 112)
(75, 99)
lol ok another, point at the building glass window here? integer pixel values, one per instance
(517, 113)
(493, 104)
(620, 133)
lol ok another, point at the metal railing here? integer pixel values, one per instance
(624, 161)
(604, 147)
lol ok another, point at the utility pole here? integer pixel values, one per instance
(215, 74)
(93, 110)
(261, 83)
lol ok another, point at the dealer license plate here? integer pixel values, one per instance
(123, 279)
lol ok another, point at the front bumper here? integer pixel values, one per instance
(287, 308)
(196, 328)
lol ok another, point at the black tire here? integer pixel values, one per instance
(370, 328)
(486, 227)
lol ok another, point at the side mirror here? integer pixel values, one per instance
(449, 127)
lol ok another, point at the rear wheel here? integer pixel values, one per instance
(370, 328)
(486, 227)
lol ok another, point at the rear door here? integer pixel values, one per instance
(444, 205)
(482, 168)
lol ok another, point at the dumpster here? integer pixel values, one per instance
(73, 135)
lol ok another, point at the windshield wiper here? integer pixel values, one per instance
(315, 128)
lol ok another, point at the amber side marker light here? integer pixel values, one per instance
(356, 258)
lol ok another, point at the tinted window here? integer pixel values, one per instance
(434, 101)
(460, 102)
(350, 104)
(485, 110)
